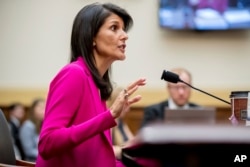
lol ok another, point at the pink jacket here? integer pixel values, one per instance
(76, 129)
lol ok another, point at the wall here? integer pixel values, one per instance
(35, 38)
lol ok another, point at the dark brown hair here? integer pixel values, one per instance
(85, 27)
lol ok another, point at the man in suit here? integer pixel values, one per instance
(179, 96)
(16, 116)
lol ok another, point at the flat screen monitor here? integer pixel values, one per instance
(204, 14)
(204, 115)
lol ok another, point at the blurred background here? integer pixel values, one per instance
(35, 44)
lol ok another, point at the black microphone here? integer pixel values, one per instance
(174, 78)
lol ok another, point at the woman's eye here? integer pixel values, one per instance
(113, 28)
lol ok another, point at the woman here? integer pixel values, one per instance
(77, 123)
(30, 129)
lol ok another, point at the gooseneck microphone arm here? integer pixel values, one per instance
(172, 77)
(206, 92)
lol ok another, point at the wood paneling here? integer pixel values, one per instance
(134, 117)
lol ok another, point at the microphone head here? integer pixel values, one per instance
(170, 77)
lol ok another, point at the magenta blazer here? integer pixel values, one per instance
(76, 129)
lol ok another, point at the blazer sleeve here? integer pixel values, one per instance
(59, 132)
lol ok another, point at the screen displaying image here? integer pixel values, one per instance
(204, 14)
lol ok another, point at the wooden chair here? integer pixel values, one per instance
(7, 154)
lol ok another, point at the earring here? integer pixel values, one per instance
(94, 44)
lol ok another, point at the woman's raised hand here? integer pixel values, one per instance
(123, 100)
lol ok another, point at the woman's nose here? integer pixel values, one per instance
(124, 35)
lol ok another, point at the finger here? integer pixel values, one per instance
(141, 81)
(125, 91)
(134, 99)
(134, 86)
(131, 91)
(126, 96)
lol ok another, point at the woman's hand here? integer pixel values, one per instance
(123, 102)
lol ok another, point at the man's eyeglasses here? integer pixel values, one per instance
(179, 87)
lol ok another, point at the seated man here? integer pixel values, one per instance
(179, 96)
(16, 116)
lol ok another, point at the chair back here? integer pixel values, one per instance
(7, 154)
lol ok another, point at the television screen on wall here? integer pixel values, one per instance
(204, 14)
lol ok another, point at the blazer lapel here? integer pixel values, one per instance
(99, 104)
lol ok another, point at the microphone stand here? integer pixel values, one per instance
(174, 78)
(205, 92)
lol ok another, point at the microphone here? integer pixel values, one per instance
(174, 78)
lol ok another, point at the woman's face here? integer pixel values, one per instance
(39, 110)
(110, 39)
(19, 112)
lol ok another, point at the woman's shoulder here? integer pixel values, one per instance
(27, 124)
(76, 66)
(73, 67)
(74, 71)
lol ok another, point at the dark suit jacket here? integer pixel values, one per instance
(156, 112)
(15, 134)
